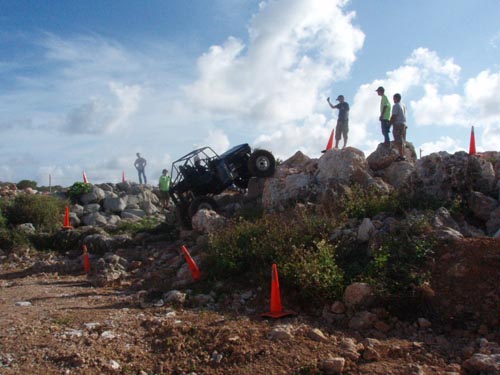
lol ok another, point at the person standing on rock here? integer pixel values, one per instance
(140, 165)
(385, 115)
(398, 121)
(164, 185)
(342, 128)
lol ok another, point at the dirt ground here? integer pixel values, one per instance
(61, 324)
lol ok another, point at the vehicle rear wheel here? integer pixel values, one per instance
(202, 202)
(261, 163)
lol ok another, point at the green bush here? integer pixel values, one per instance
(23, 184)
(295, 241)
(78, 189)
(399, 264)
(43, 211)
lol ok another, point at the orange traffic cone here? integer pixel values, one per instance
(472, 145)
(123, 176)
(66, 224)
(276, 308)
(329, 146)
(86, 261)
(85, 178)
(195, 271)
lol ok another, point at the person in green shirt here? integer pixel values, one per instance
(385, 115)
(164, 185)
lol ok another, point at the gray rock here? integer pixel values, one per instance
(362, 320)
(175, 296)
(365, 230)
(316, 334)
(331, 366)
(115, 205)
(207, 221)
(91, 208)
(483, 363)
(358, 294)
(94, 219)
(481, 205)
(345, 166)
(27, 228)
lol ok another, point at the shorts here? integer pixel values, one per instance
(399, 132)
(164, 195)
(342, 129)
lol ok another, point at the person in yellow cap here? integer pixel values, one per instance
(385, 115)
(164, 185)
(342, 128)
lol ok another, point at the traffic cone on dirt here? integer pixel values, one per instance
(276, 308)
(123, 176)
(86, 261)
(85, 178)
(195, 271)
(66, 224)
(329, 146)
(472, 145)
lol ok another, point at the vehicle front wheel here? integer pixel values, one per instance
(200, 203)
(261, 163)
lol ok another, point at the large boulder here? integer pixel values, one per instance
(481, 205)
(115, 205)
(346, 166)
(206, 221)
(281, 191)
(384, 156)
(444, 176)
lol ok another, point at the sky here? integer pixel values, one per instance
(85, 85)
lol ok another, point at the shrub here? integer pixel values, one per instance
(295, 240)
(43, 211)
(398, 265)
(23, 184)
(78, 189)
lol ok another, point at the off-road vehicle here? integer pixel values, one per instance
(202, 173)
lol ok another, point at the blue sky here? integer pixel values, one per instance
(84, 85)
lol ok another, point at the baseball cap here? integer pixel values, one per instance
(380, 88)
(340, 97)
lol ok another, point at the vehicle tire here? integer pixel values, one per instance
(261, 163)
(202, 202)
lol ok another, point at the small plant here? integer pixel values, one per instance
(43, 211)
(78, 189)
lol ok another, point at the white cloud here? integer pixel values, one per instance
(430, 63)
(295, 50)
(104, 115)
(483, 96)
(218, 140)
(434, 109)
(495, 40)
(447, 144)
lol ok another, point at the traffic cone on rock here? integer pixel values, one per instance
(66, 224)
(195, 271)
(276, 308)
(86, 261)
(472, 145)
(329, 145)
(123, 176)
(85, 178)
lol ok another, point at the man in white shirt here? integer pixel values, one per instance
(398, 121)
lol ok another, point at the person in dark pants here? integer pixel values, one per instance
(342, 128)
(385, 115)
(140, 165)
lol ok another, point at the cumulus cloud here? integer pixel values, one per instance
(104, 115)
(295, 50)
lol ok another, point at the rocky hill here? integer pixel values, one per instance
(450, 325)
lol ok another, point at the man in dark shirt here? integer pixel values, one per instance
(342, 127)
